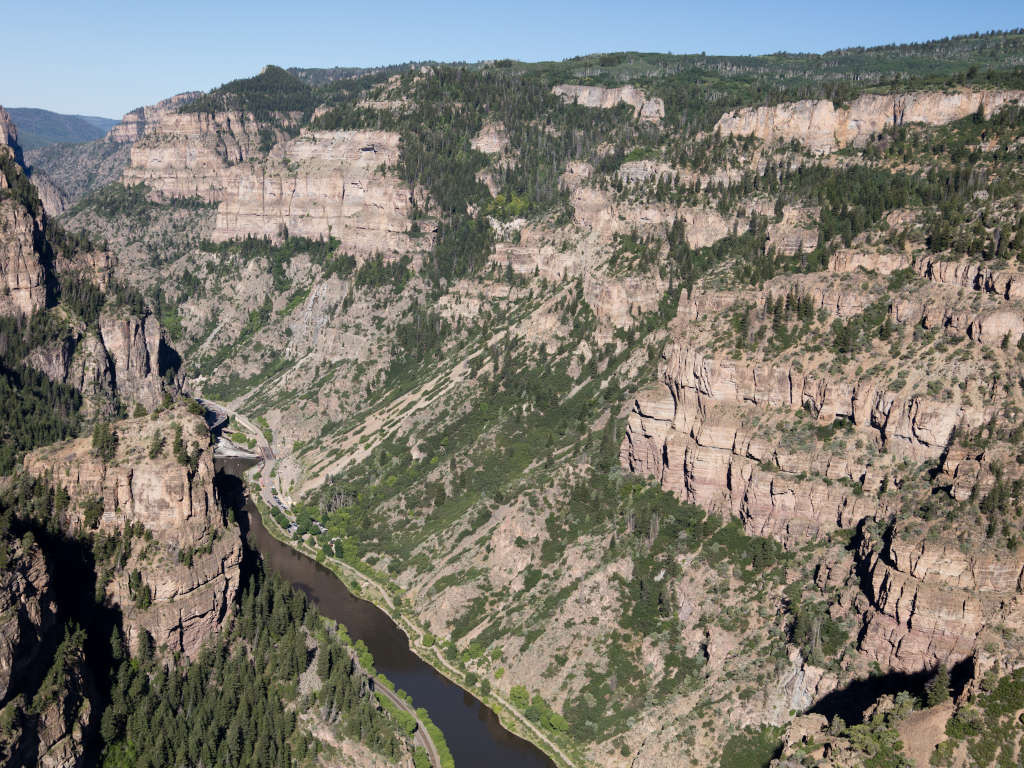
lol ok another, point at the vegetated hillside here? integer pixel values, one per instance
(39, 127)
(675, 400)
(131, 632)
(76, 168)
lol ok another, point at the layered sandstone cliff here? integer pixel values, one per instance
(319, 184)
(696, 434)
(824, 128)
(133, 125)
(22, 278)
(188, 155)
(802, 444)
(932, 598)
(192, 565)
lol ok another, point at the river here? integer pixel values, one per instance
(474, 734)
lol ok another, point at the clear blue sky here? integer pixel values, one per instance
(105, 57)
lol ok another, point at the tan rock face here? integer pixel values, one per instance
(694, 433)
(139, 351)
(80, 361)
(55, 200)
(22, 280)
(932, 599)
(8, 132)
(824, 129)
(319, 184)
(179, 508)
(337, 189)
(620, 302)
(851, 260)
(492, 139)
(127, 357)
(187, 155)
(576, 173)
(792, 234)
(596, 211)
(1008, 283)
(607, 98)
(133, 125)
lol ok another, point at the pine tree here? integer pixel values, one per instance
(937, 688)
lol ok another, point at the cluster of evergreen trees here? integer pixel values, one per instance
(34, 410)
(237, 704)
(272, 91)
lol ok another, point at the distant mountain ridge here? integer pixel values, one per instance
(40, 127)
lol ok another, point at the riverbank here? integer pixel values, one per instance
(364, 586)
(369, 588)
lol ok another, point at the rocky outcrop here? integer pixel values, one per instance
(55, 200)
(1007, 283)
(9, 135)
(492, 139)
(141, 358)
(319, 184)
(716, 433)
(188, 155)
(27, 612)
(128, 358)
(596, 211)
(22, 277)
(823, 128)
(791, 235)
(80, 360)
(851, 260)
(192, 568)
(133, 125)
(834, 297)
(931, 599)
(620, 302)
(695, 433)
(597, 96)
(42, 727)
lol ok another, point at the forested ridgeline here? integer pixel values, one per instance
(696, 88)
